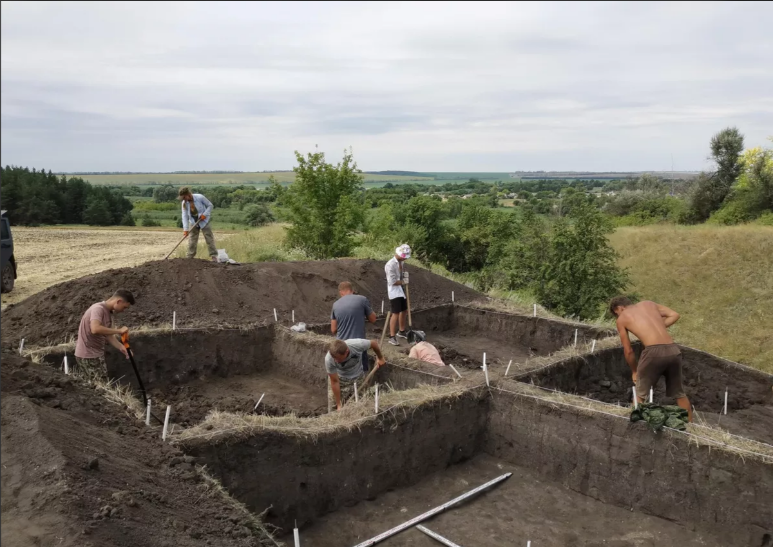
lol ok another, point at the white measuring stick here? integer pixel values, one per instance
(293, 317)
(535, 310)
(147, 414)
(435, 535)
(593, 347)
(166, 422)
(376, 398)
(21, 346)
(454, 369)
(296, 535)
(174, 320)
(508, 367)
(356, 397)
(275, 317)
(259, 400)
(575, 337)
(66, 365)
(651, 393)
(635, 399)
(431, 513)
(725, 401)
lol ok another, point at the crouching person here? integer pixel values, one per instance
(343, 363)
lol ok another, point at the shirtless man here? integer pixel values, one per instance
(648, 321)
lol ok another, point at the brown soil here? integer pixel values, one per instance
(79, 472)
(203, 293)
(193, 401)
(523, 508)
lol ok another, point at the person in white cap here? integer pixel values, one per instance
(396, 279)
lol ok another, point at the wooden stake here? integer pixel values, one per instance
(575, 337)
(275, 317)
(382, 307)
(21, 346)
(485, 368)
(593, 346)
(66, 365)
(535, 310)
(147, 414)
(174, 320)
(508, 367)
(356, 397)
(256, 404)
(293, 317)
(296, 535)
(651, 393)
(376, 398)
(452, 296)
(166, 422)
(635, 399)
(454, 369)
(725, 401)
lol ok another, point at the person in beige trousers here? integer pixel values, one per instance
(197, 207)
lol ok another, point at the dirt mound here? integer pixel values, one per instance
(77, 471)
(203, 293)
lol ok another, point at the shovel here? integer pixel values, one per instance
(125, 342)
(412, 336)
(183, 239)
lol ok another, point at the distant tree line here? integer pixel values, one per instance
(34, 197)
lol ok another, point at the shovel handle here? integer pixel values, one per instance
(408, 298)
(183, 239)
(125, 340)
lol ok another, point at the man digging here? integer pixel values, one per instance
(95, 328)
(396, 279)
(343, 363)
(648, 321)
(347, 320)
(197, 207)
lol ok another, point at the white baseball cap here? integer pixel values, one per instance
(403, 251)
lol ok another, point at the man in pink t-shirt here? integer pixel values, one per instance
(95, 329)
(424, 351)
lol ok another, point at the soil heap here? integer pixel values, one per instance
(207, 294)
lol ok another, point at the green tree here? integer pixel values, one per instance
(581, 272)
(324, 205)
(97, 212)
(128, 220)
(164, 193)
(257, 214)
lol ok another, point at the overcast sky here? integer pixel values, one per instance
(427, 87)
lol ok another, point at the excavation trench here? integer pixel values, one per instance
(604, 375)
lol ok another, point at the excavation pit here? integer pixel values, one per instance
(604, 375)
(462, 334)
(347, 477)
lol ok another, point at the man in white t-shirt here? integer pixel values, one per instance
(396, 279)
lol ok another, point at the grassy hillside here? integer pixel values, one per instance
(720, 279)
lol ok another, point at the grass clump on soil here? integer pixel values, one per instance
(720, 279)
(264, 244)
(223, 426)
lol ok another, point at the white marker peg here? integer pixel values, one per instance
(376, 398)
(528, 544)
(593, 347)
(454, 369)
(635, 399)
(485, 371)
(174, 320)
(296, 535)
(275, 317)
(535, 310)
(651, 395)
(575, 337)
(484, 359)
(508, 367)
(356, 396)
(66, 365)
(293, 317)
(21, 346)
(166, 422)
(382, 307)
(452, 296)
(147, 414)
(256, 404)
(725, 401)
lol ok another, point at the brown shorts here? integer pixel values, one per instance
(656, 361)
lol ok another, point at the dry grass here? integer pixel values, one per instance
(534, 364)
(513, 302)
(720, 279)
(265, 244)
(224, 426)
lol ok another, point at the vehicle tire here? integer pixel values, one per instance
(6, 278)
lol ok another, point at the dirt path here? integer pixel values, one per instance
(523, 508)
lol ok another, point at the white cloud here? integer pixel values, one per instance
(421, 86)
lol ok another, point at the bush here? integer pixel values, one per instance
(324, 205)
(165, 193)
(128, 220)
(147, 221)
(257, 214)
(765, 219)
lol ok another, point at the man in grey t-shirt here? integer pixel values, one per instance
(343, 364)
(347, 320)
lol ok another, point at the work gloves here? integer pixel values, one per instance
(185, 233)
(203, 217)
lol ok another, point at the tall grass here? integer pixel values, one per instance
(720, 279)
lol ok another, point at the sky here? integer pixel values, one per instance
(501, 87)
